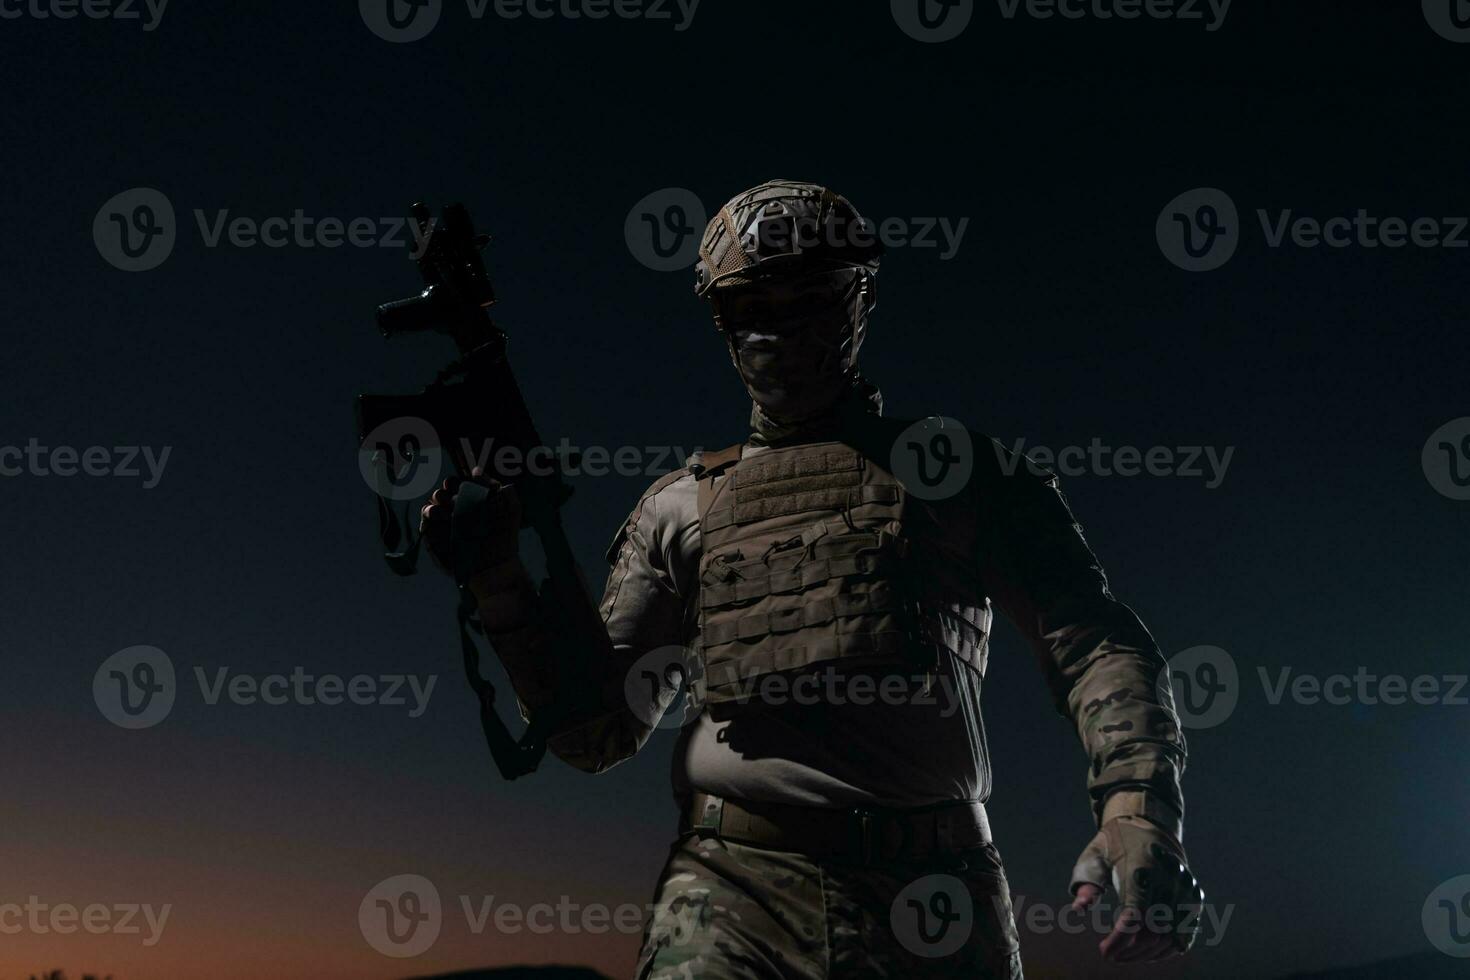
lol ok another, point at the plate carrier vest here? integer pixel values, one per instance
(815, 555)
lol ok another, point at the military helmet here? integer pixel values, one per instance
(784, 227)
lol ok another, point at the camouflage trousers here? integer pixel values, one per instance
(725, 911)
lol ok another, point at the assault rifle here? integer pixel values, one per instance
(474, 402)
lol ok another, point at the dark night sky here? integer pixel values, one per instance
(1058, 321)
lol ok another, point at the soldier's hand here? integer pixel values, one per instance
(1159, 900)
(499, 541)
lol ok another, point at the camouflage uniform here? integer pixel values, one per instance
(726, 911)
(726, 908)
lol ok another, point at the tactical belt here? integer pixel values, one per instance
(864, 835)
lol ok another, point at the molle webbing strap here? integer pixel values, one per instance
(838, 499)
(727, 681)
(814, 554)
(823, 479)
(811, 573)
(816, 612)
(793, 472)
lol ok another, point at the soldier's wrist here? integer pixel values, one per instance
(505, 574)
(504, 596)
(1135, 802)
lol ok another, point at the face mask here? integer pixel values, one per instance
(796, 364)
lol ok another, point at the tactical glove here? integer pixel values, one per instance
(1159, 899)
(498, 532)
(505, 597)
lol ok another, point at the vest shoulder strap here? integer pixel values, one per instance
(709, 466)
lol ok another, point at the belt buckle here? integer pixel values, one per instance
(708, 821)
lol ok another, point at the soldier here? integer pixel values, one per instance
(833, 603)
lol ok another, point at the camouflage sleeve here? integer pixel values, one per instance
(640, 611)
(1101, 663)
